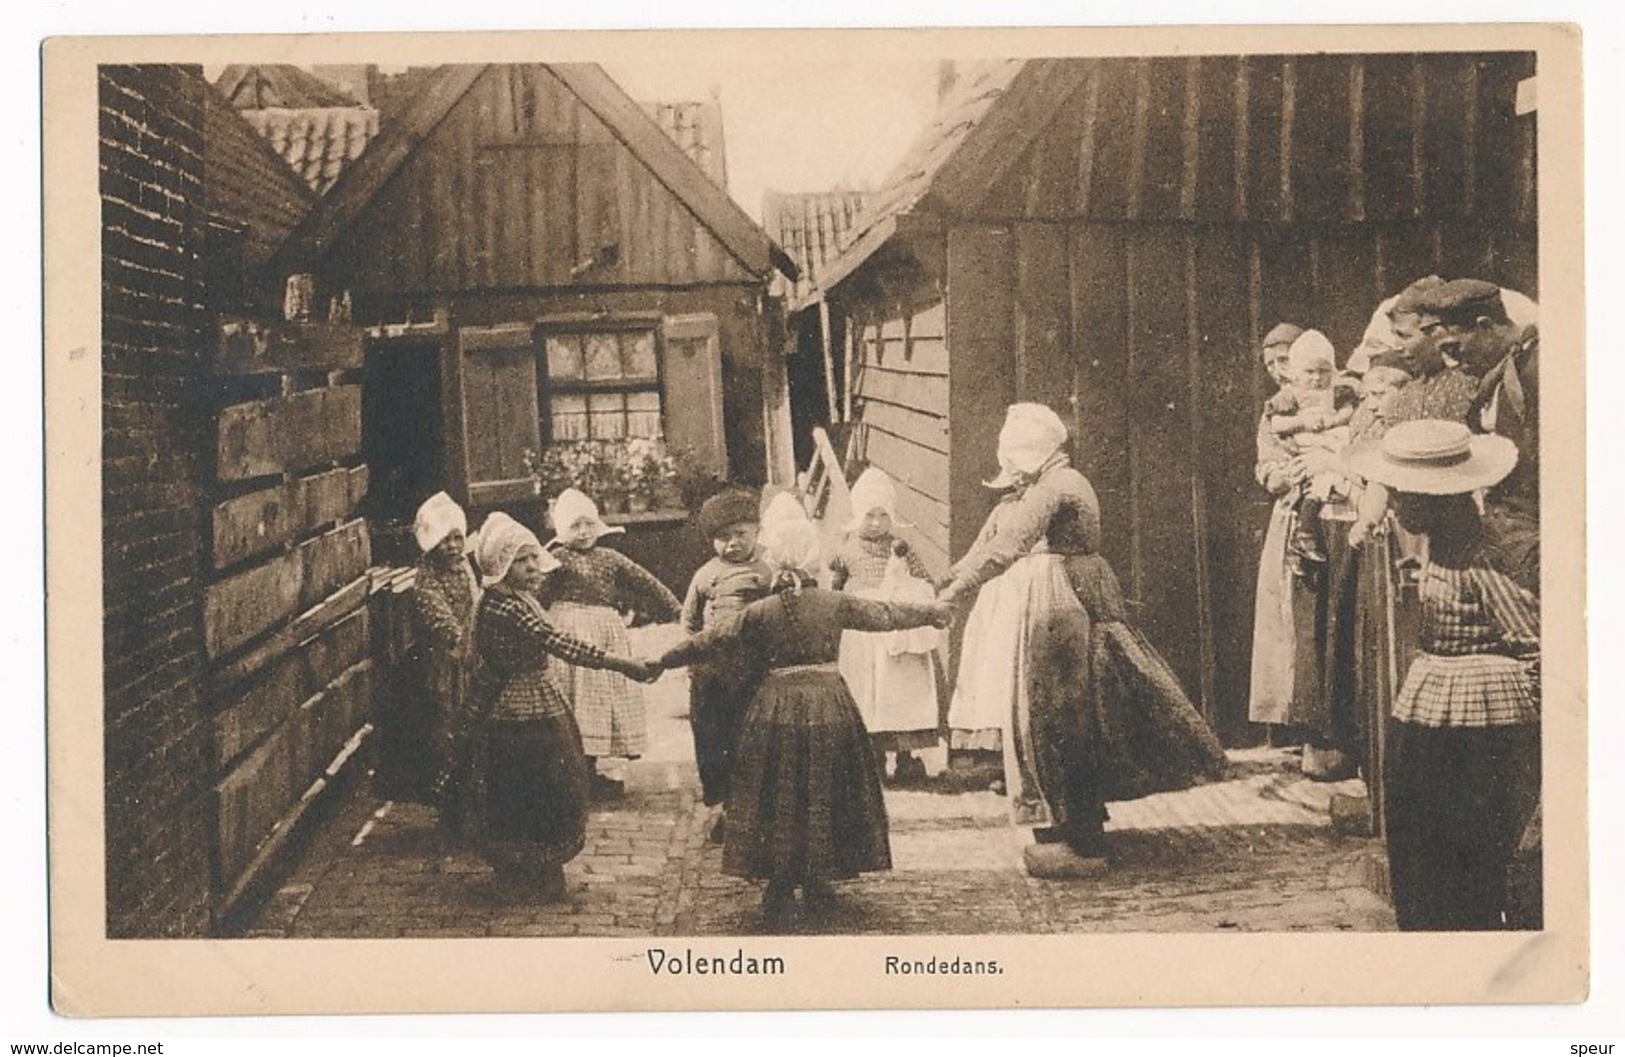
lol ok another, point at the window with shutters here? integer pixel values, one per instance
(602, 384)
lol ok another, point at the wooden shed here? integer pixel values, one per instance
(1112, 236)
(569, 272)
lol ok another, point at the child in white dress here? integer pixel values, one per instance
(892, 674)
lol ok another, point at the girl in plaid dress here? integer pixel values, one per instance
(585, 598)
(517, 786)
(1463, 767)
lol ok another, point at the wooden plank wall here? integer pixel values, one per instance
(1162, 390)
(901, 397)
(1276, 139)
(285, 624)
(521, 186)
(1124, 267)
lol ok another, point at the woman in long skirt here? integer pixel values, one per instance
(519, 783)
(804, 802)
(585, 598)
(1090, 712)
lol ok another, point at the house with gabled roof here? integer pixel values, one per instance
(589, 279)
(1111, 237)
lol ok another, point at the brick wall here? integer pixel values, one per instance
(158, 864)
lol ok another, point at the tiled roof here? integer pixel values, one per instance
(973, 94)
(286, 87)
(317, 142)
(813, 228)
(697, 129)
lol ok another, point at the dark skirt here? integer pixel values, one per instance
(804, 802)
(525, 803)
(1144, 734)
(1458, 800)
(1153, 740)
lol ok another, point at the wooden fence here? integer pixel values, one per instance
(288, 630)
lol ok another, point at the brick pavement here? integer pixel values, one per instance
(1253, 853)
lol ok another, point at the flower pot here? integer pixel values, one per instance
(637, 503)
(614, 504)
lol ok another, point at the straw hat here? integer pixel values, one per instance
(1433, 457)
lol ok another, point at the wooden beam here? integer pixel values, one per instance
(1356, 145)
(848, 382)
(311, 622)
(828, 354)
(1137, 137)
(240, 607)
(1135, 470)
(1289, 111)
(1207, 661)
(1244, 133)
(1191, 140)
(264, 521)
(246, 346)
(288, 433)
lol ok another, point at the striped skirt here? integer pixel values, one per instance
(608, 706)
(804, 799)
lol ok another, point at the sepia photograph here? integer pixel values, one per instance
(866, 515)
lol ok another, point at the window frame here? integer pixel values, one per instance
(588, 323)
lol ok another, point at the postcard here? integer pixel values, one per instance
(815, 519)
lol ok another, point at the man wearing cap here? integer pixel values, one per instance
(1276, 344)
(1468, 320)
(1438, 390)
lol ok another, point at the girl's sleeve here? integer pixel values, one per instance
(526, 638)
(643, 593)
(1019, 530)
(839, 574)
(1513, 611)
(730, 629)
(438, 618)
(864, 614)
(916, 567)
(692, 618)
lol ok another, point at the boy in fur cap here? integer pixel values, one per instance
(723, 586)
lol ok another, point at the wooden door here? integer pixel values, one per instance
(496, 419)
(692, 371)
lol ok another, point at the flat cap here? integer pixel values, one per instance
(1281, 334)
(1463, 300)
(1409, 301)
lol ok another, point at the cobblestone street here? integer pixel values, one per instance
(1253, 853)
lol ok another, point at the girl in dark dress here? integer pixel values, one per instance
(804, 801)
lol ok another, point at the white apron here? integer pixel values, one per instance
(890, 673)
(1274, 633)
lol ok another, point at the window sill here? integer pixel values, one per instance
(646, 517)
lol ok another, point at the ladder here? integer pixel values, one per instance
(823, 482)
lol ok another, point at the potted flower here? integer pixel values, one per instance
(649, 469)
